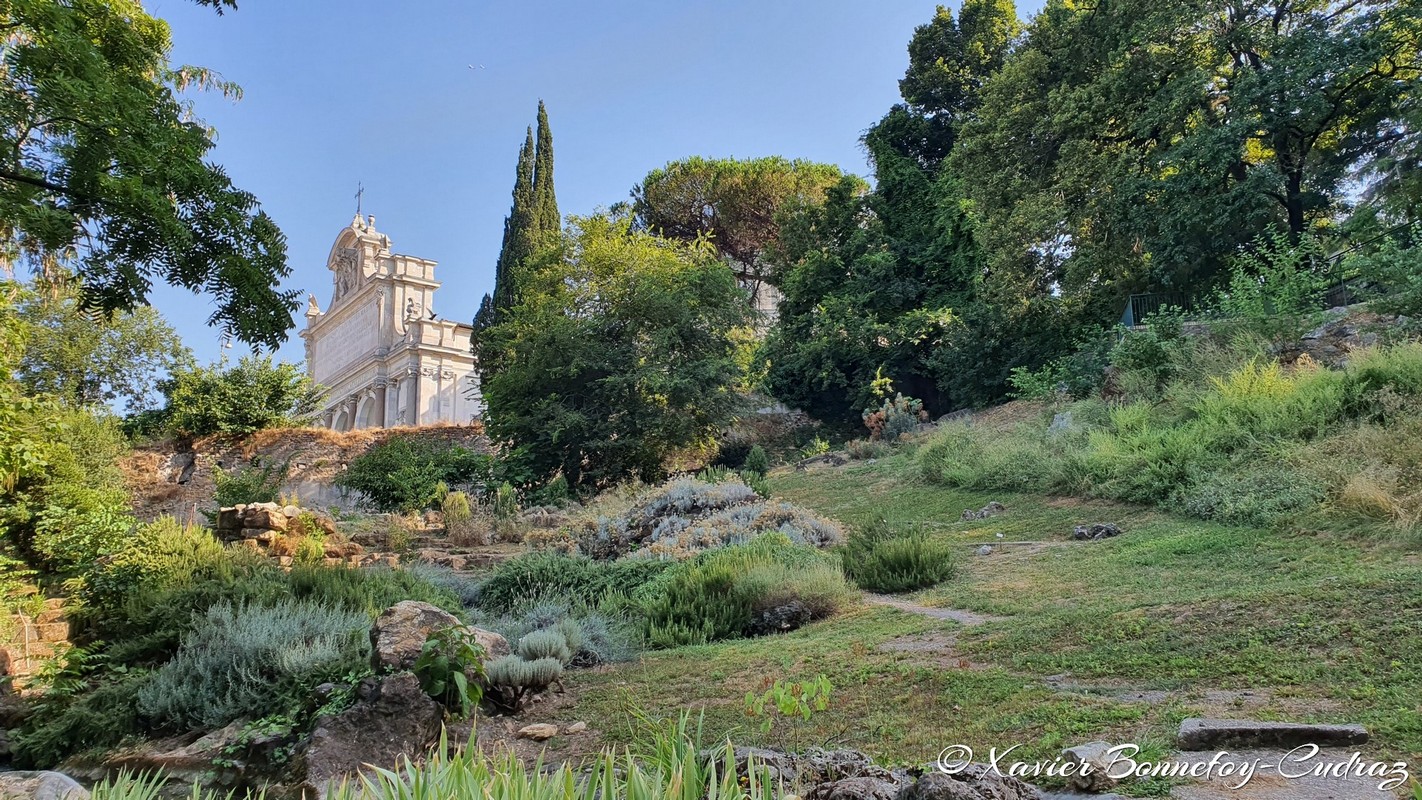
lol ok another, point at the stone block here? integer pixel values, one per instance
(1197, 733)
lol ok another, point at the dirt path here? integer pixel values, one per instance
(958, 615)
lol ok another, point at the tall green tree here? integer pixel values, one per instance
(736, 204)
(545, 199)
(875, 283)
(518, 239)
(1131, 145)
(533, 216)
(949, 61)
(621, 352)
(104, 171)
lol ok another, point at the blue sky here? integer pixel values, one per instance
(381, 94)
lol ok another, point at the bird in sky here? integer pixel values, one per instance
(471, 66)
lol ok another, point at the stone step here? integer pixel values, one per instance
(1197, 733)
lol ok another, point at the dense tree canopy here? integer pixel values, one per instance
(86, 359)
(104, 168)
(735, 203)
(1034, 177)
(1130, 146)
(620, 353)
(237, 399)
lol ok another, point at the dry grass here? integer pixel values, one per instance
(361, 439)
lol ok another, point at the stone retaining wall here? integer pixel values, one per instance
(32, 641)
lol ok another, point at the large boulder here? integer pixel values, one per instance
(974, 782)
(400, 632)
(265, 516)
(42, 785)
(393, 720)
(855, 789)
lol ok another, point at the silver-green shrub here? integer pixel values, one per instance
(247, 661)
(510, 680)
(546, 643)
(685, 517)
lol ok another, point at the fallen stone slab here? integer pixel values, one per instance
(1197, 733)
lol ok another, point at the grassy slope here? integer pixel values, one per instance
(1210, 619)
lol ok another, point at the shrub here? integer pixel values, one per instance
(1395, 270)
(577, 578)
(448, 659)
(251, 396)
(64, 722)
(757, 482)
(249, 661)
(686, 516)
(366, 590)
(865, 449)
(555, 492)
(1276, 285)
(880, 560)
(593, 637)
(768, 585)
(756, 460)
(145, 596)
(257, 483)
(505, 502)
(545, 643)
(972, 457)
(461, 586)
(1076, 375)
(460, 525)
(407, 474)
(1150, 359)
(1260, 497)
(512, 680)
(62, 499)
(714, 474)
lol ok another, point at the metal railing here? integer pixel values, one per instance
(1140, 306)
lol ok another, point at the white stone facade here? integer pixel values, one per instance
(384, 356)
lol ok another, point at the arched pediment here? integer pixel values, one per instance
(350, 259)
(344, 264)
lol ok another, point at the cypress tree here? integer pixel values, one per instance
(545, 201)
(519, 231)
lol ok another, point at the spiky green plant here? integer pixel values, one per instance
(668, 767)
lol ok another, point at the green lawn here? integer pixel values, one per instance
(1198, 618)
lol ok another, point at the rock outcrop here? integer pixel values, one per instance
(1093, 760)
(400, 632)
(276, 530)
(852, 775)
(1197, 733)
(1095, 531)
(392, 720)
